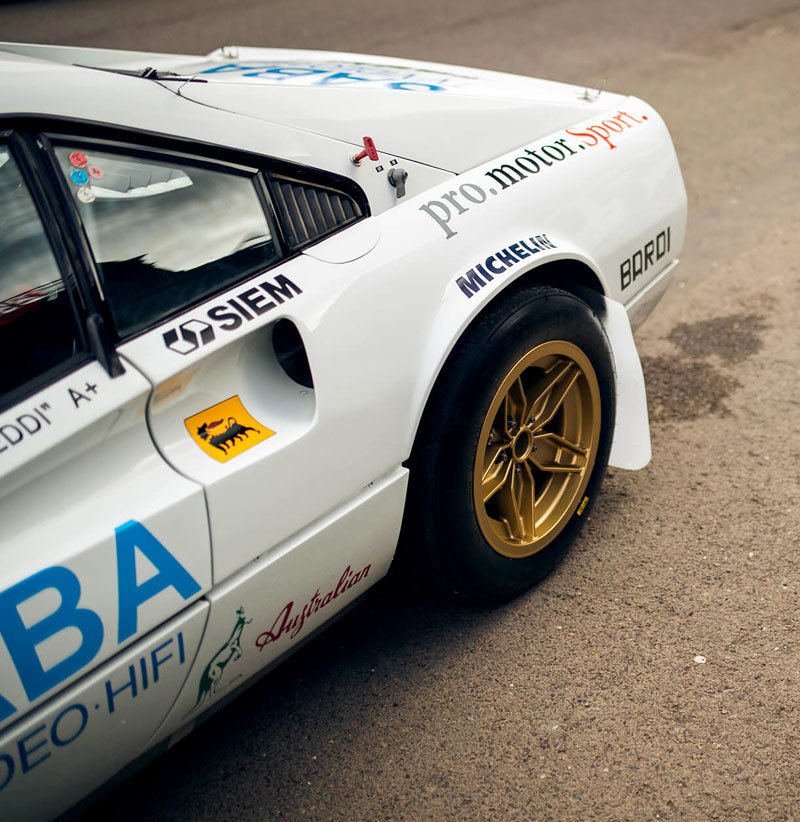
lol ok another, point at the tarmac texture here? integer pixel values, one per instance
(656, 673)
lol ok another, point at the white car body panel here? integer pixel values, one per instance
(69, 491)
(461, 130)
(510, 180)
(630, 447)
(129, 103)
(288, 594)
(43, 760)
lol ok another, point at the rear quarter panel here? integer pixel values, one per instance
(399, 310)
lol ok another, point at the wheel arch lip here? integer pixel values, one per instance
(571, 270)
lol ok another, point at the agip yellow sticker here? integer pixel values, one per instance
(226, 429)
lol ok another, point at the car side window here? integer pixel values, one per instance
(165, 233)
(38, 329)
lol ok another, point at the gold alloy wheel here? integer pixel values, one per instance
(536, 449)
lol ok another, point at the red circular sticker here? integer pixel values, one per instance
(95, 171)
(78, 159)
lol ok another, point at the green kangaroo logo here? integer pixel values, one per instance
(229, 652)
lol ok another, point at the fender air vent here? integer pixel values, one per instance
(291, 352)
(311, 212)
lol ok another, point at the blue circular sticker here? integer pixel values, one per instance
(79, 176)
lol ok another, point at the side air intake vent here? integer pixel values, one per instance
(310, 212)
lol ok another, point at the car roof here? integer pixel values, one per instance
(434, 114)
(31, 85)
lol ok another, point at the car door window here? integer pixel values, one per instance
(38, 330)
(165, 233)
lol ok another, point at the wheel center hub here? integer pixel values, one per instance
(522, 445)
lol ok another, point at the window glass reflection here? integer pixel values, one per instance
(163, 234)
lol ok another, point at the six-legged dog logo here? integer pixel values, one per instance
(224, 440)
(226, 430)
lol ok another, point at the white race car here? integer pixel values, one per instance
(261, 312)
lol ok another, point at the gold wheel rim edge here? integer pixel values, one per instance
(568, 502)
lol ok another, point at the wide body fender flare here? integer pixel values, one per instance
(631, 445)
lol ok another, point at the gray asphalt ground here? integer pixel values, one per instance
(587, 698)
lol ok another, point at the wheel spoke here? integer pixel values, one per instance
(560, 380)
(562, 442)
(557, 467)
(548, 454)
(528, 501)
(514, 407)
(516, 504)
(496, 473)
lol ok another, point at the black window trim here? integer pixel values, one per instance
(48, 131)
(75, 128)
(142, 152)
(18, 144)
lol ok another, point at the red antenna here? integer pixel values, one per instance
(369, 150)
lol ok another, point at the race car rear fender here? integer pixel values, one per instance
(631, 446)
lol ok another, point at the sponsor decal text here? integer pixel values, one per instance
(643, 260)
(290, 622)
(530, 162)
(231, 314)
(477, 277)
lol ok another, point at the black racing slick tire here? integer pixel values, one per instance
(512, 448)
